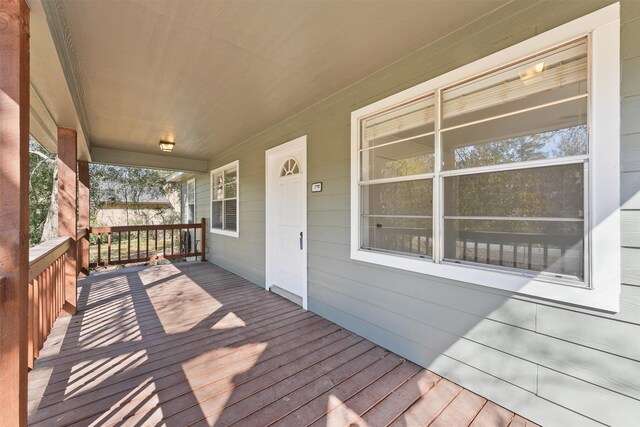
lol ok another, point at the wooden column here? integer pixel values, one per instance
(67, 202)
(14, 210)
(83, 214)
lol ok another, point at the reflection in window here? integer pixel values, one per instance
(510, 178)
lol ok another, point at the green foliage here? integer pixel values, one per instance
(41, 174)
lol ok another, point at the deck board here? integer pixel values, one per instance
(193, 344)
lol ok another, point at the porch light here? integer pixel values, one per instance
(167, 146)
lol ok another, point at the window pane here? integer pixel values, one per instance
(551, 246)
(547, 133)
(528, 219)
(217, 187)
(398, 234)
(397, 217)
(216, 214)
(552, 191)
(556, 75)
(230, 215)
(411, 157)
(407, 121)
(398, 198)
(230, 190)
(230, 176)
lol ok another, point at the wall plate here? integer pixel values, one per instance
(316, 187)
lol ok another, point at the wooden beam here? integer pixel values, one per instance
(83, 214)
(146, 160)
(14, 210)
(67, 202)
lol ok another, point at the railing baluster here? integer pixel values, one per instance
(146, 255)
(501, 253)
(530, 255)
(99, 245)
(138, 252)
(155, 242)
(119, 246)
(172, 242)
(129, 246)
(108, 249)
(515, 254)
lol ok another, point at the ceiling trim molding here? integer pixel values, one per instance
(145, 160)
(54, 12)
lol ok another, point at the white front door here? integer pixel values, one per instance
(286, 209)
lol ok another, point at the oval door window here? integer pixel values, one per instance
(290, 167)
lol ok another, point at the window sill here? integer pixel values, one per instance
(224, 232)
(598, 299)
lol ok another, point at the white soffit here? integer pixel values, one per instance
(51, 102)
(210, 74)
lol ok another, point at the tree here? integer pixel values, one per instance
(132, 186)
(42, 192)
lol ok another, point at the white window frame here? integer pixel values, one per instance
(233, 165)
(603, 239)
(192, 180)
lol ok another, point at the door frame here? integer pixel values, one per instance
(271, 173)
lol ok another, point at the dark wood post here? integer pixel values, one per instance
(83, 214)
(67, 201)
(14, 210)
(203, 241)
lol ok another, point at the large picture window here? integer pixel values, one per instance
(224, 199)
(493, 173)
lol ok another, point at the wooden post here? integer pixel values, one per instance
(83, 214)
(67, 202)
(203, 241)
(14, 210)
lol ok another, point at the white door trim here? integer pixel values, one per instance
(270, 175)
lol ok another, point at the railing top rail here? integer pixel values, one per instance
(44, 254)
(121, 228)
(81, 232)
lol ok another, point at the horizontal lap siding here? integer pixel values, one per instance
(555, 364)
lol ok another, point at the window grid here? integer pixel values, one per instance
(439, 174)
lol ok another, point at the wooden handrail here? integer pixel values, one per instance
(148, 242)
(125, 228)
(82, 231)
(44, 254)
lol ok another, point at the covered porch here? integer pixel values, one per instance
(192, 343)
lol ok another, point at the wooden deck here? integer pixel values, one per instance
(193, 344)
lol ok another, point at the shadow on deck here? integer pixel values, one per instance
(192, 343)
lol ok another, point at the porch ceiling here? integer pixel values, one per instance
(211, 74)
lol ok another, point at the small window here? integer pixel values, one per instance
(224, 200)
(499, 173)
(190, 201)
(289, 167)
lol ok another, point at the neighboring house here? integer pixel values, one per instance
(148, 209)
(468, 209)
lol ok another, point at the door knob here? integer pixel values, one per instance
(301, 240)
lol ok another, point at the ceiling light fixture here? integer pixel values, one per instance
(167, 146)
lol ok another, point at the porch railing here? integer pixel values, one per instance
(46, 291)
(140, 243)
